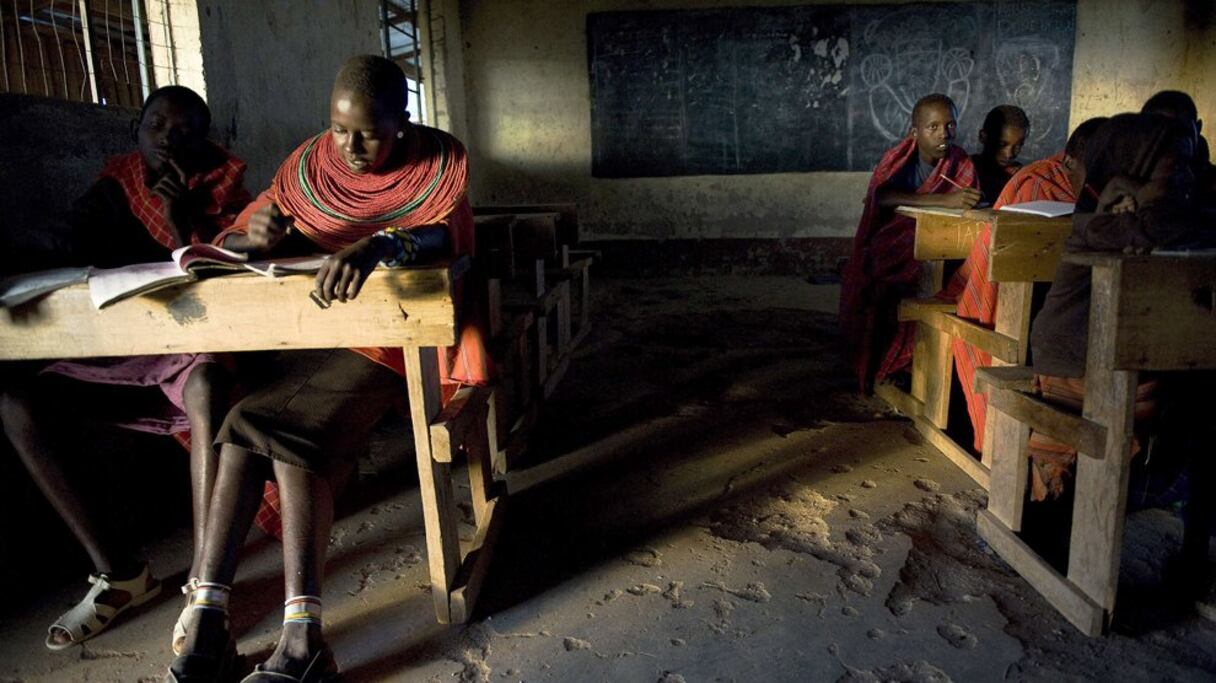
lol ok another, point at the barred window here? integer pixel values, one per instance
(82, 50)
(399, 23)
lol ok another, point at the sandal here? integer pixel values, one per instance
(90, 617)
(179, 627)
(195, 668)
(322, 669)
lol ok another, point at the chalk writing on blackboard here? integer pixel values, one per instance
(820, 87)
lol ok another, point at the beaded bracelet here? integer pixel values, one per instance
(405, 246)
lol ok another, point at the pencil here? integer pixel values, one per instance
(947, 179)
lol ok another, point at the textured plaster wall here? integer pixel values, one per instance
(269, 66)
(529, 121)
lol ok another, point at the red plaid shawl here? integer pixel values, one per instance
(881, 270)
(977, 295)
(222, 184)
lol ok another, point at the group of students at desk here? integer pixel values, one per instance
(1139, 181)
(372, 189)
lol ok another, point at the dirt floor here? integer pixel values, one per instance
(743, 515)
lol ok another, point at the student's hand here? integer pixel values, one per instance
(1119, 196)
(342, 275)
(172, 186)
(267, 227)
(965, 198)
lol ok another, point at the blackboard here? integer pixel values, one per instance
(815, 88)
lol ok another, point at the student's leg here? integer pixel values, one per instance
(206, 401)
(31, 440)
(23, 417)
(234, 502)
(308, 514)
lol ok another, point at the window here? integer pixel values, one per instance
(81, 50)
(399, 22)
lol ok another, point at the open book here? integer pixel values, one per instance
(18, 289)
(1042, 207)
(108, 285)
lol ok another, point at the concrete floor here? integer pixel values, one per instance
(747, 517)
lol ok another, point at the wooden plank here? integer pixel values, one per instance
(476, 563)
(439, 512)
(1101, 483)
(1026, 248)
(912, 310)
(397, 307)
(938, 360)
(899, 400)
(956, 454)
(452, 426)
(1016, 378)
(481, 465)
(495, 245)
(1001, 347)
(1013, 318)
(1059, 592)
(563, 319)
(1083, 434)
(1166, 318)
(1008, 448)
(567, 225)
(535, 238)
(945, 235)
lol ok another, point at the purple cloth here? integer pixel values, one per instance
(166, 372)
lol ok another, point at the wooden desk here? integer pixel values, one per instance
(1151, 313)
(411, 308)
(1024, 249)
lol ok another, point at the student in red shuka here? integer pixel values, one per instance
(925, 169)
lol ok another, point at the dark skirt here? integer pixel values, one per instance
(313, 409)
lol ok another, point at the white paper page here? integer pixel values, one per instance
(110, 284)
(1042, 207)
(19, 289)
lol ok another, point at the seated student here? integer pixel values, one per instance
(1001, 139)
(1178, 105)
(924, 169)
(177, 188)
(372, 189)
(1140, 167)
(1058, 178)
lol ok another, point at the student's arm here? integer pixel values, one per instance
(343, 274)
(958, 199)
(1137, 217)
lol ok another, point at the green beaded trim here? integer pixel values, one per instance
(302, 177)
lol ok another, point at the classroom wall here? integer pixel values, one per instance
(269, 66)
(528, 109)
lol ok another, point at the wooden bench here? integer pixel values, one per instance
(1024, 249)
(1147, 313)
(539, 290)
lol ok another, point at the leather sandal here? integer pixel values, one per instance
(90, 617)
(321, 669)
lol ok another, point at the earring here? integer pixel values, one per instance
(400, 134)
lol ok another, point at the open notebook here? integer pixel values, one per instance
(108, 285)
(1042, 207)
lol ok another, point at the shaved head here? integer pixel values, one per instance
(934, 100)
(375, 78)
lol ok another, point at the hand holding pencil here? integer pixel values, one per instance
(963, 197)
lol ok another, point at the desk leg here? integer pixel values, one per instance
(1101, 484)
(434, 478)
